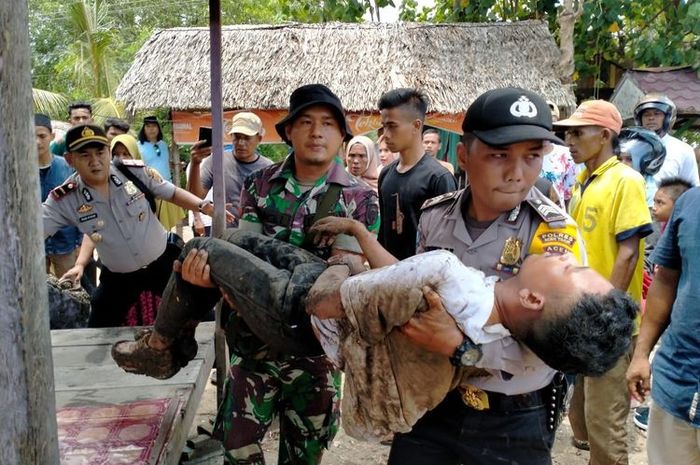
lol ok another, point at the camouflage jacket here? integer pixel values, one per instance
(285, 210)
(275, 204)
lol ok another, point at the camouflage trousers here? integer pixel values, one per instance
(303, 392)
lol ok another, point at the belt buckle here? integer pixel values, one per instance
(474, 397)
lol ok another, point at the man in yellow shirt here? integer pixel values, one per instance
(608, 203)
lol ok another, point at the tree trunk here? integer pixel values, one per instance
(568, 15)
(27, 416)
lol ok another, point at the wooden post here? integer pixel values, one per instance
(27, 399)
(219, 220)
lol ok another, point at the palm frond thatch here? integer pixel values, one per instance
(452, 63)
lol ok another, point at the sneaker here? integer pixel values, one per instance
(641, 417)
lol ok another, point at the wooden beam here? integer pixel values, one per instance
(28, 432)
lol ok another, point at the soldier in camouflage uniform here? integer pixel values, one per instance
(283, 201)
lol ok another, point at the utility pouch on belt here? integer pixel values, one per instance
(554, 400)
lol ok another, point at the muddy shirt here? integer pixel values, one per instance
(537, 225)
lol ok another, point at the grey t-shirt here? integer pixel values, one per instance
(235, 173)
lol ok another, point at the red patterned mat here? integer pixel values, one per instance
(132, 433)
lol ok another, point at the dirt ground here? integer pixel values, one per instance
(348, 451)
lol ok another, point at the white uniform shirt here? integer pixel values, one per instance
(126, 232)
(680, 161)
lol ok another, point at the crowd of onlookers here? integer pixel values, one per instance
(630, 191)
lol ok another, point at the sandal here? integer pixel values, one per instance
(580, 444)
(139, 358)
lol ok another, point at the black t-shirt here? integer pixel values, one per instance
(425, 180)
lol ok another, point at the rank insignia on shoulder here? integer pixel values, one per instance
(131, 163)
(439, 199)
(63, 190)
(549, 213)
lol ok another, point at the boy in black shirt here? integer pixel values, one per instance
(413, 178)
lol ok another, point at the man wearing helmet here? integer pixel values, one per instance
(643, 150)
(658, 113)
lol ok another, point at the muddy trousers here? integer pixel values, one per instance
(267, 280)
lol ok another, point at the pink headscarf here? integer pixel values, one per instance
(371, 173)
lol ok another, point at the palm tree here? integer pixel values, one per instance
(49, 103)
(89, 59)
(89, 25)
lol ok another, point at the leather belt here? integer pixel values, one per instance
(550, 397)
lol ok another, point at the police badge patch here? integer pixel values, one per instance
(510, 256)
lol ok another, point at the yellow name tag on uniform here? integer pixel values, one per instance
(556, 240)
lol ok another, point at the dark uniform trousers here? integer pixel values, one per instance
(117, 292)
(453, 433)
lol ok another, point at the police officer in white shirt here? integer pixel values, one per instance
(110, 204)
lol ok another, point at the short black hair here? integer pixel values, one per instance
(405, 96)
(79, 104)
(590, 338)
(117, 123)
(675, 186)
(467, 139)
(432, 131)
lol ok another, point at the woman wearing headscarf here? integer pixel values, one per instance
(125, 146)
(362, 160)
(143, 311)
(153, 149)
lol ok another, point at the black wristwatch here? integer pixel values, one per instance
(466, 354)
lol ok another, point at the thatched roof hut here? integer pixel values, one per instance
(262, 64)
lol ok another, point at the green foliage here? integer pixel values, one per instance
(687, 131)
(49, 103)
(275, 152)
(478, 11)
(632, 33)
(350, 11)
(83, 47)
